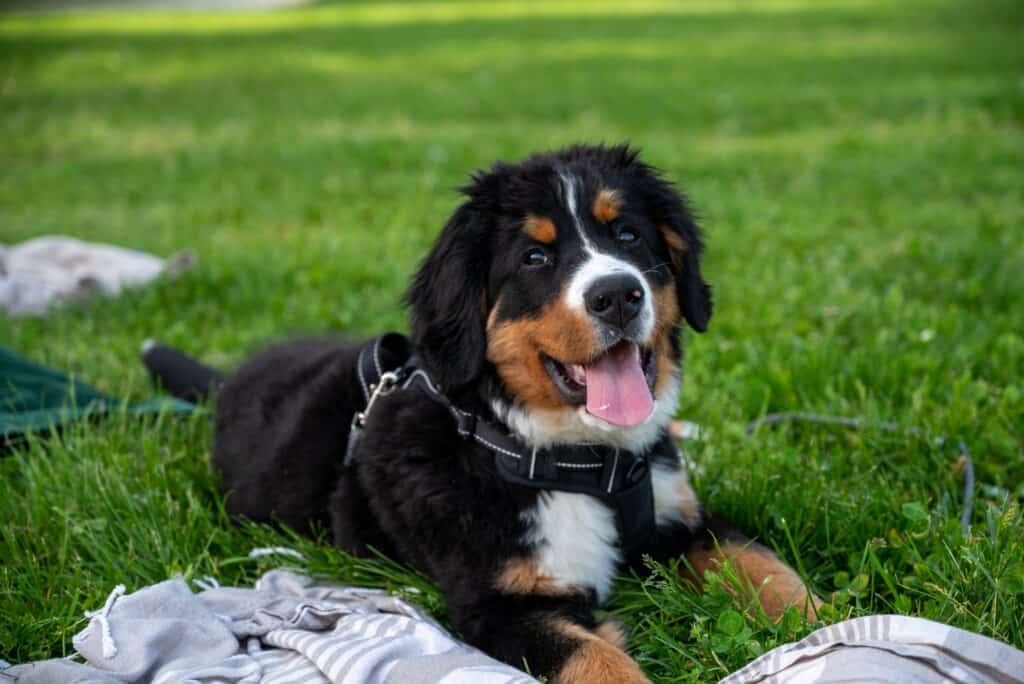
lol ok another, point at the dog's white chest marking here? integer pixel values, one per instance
(576, 538)
(577, 542)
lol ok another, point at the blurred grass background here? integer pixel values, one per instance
(857, 165)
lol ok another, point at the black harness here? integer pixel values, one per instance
(620, 478)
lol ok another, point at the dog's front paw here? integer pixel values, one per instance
(599, 662)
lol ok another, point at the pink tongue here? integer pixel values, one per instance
(617, 389)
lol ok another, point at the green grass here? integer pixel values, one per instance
(858, 166)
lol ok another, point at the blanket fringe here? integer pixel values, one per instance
(261, 551)
(101, 616)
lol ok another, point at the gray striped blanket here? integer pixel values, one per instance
(288, 629)
(291, 629)
(887, 648)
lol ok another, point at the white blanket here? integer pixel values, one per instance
(39, 273)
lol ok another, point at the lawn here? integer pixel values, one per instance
(859, 167)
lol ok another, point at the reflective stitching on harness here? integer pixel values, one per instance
(533, 461)
(611, 478)
(495, 447)
(362, 378)
(376, 356)
(579, 466)
(426, 378)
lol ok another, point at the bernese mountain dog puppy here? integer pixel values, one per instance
(548, 310)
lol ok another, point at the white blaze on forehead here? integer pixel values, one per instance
(597, 264)
(570, 189)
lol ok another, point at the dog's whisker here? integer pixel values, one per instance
(655, 268)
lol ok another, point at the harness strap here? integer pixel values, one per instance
(620, 478)
(494, 438)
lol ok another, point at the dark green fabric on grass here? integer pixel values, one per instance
(35, 398)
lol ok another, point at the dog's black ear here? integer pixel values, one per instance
(669, 210)
(447, 297)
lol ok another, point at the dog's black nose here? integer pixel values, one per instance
(615, 299)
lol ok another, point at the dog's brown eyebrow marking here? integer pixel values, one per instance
(607, 205)
(540, 228)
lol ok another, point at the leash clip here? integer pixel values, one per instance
(387, 384)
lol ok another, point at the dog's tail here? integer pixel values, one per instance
(181, 375)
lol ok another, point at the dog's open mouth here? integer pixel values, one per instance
(617, 386)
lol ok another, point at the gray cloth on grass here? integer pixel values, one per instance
(292, 629)
(887, 648)
(289, 628)
(39, 273)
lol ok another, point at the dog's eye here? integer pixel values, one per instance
(626, 235)
(536, 257)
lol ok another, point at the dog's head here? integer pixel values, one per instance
(564, 279)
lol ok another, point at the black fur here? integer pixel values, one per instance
(447, 295)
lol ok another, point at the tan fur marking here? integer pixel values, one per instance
(666, 317)
(596, 661)
(607, 205)
(612, 632)
(514, 348)
(674, 239)
(522, 576)
(541, 229)
(776, 584)
(676, 245)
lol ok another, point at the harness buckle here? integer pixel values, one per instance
(465, 423)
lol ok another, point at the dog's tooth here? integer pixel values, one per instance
(578, 373)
